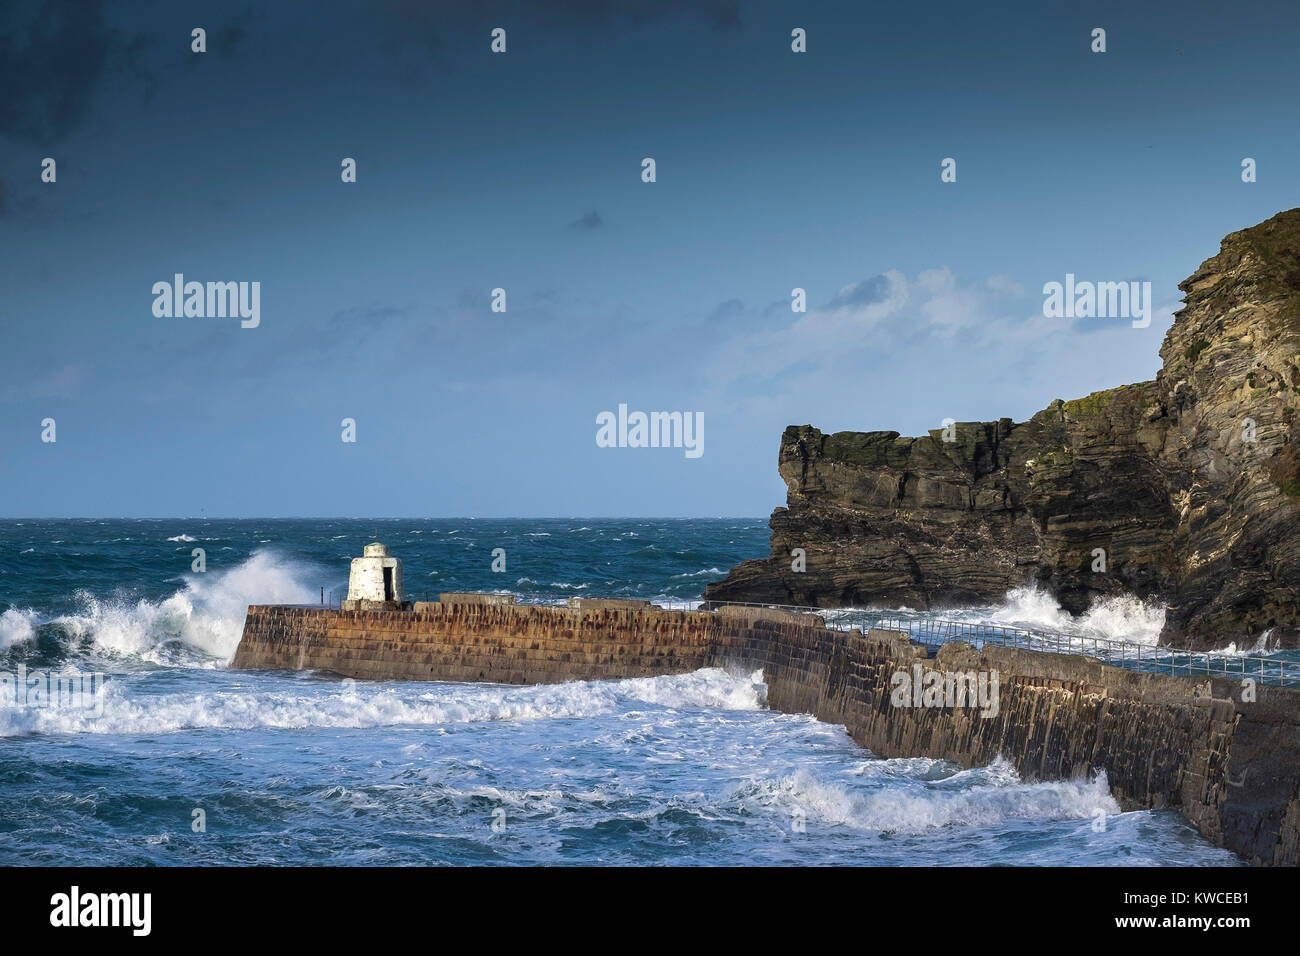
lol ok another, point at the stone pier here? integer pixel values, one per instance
(1226, 755)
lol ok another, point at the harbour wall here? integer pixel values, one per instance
(1226, 754)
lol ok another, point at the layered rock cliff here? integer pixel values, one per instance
(1184, 490)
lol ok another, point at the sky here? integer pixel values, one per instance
(523, 171)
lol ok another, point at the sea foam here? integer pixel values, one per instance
(129, 710)
(982, 797)
(17, 626)
(205, 617)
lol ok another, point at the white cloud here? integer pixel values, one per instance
(981, 347)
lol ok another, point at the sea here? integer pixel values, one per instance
(178, 760)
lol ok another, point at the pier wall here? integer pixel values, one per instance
(476, 641)
(1229, 763)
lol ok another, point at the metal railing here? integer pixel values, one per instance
(1130, 654)
(933, 633)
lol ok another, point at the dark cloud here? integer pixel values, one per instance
(56, 57)
(229, 36)
(588, 222)
(373, 316)
(224, 40)
(868, 292)
(780, 306)
(134, 63)
(727, 311)
(51, 58)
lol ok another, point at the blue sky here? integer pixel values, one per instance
(522, 171)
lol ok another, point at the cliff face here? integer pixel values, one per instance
(1183, 490)
(1232, 368)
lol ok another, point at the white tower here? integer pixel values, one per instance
(375, 579)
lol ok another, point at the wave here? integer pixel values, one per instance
(1262, 645)
(182, 537)
(696, 574)
(349, 704)
(17, 626)
(983, 797)
(1121, 617)
(205, 618)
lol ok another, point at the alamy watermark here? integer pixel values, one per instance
(210, 300)
(74, 908)
(64, 690)
(1100, 300)
(922, 688)
(651, 430)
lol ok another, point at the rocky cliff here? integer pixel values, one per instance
(1184, 490)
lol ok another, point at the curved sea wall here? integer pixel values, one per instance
(1226, 754)
(1188, 486)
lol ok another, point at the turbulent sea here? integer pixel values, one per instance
(192, 763)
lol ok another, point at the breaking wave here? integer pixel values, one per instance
(983, 797)
(203, 620)
(17, 626)
(131, 709)
(1117, 618)
(700, 573)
